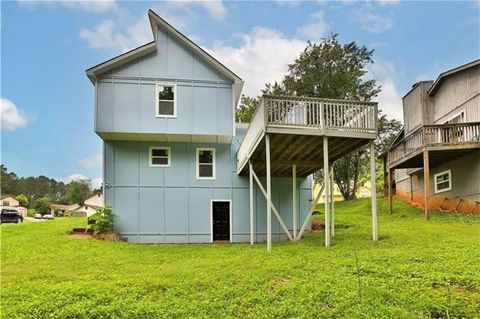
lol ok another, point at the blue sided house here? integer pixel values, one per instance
(178, 169)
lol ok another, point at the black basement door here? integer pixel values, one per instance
(221, 220)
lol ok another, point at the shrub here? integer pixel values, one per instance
(42, 205)
(103, 220)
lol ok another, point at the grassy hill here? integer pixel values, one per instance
(418, 269)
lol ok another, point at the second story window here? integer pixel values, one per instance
(166, 103)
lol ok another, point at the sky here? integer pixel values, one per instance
(46, 46)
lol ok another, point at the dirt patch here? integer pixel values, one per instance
(78, 235)
(110, 236)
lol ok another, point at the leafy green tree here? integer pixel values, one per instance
(22, 199)
(334, 70)
(77, 192)
(8, 181)
(246, 109)
(42, 204)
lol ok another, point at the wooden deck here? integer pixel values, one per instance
(445, 142)
(296, 127)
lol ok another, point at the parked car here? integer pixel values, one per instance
(48, 216)
(38, 216)
(10, 215)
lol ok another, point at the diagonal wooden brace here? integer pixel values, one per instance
(275, 211)
(310, 212)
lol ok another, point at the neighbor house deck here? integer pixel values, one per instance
(296, 136)
(443, 141)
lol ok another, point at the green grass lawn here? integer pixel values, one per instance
(418, 269)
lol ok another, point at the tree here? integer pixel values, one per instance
(77, 192)
(22, 199)
(246, 109)
(330, 69)
(42, 204)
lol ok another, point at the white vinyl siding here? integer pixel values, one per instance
(159, 156)
(443, 181)
(205, 163)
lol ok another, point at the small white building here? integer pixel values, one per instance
(89, 207)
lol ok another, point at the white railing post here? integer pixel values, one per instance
(322, 117)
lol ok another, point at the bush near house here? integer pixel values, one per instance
(418, 269)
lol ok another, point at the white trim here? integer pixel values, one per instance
(214, 163)
(169, 151)
(449, 172)
(444, 121)
(174, 86)
(230, 217)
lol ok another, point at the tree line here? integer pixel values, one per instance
(39, 192)
(330, 69)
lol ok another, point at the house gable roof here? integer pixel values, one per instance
(157, 22)
(445, 74)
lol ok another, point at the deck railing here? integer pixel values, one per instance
(435, 135)
(310, 113)
(320, 113)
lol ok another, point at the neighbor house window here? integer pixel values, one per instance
(160, 156)
(443, 181)
(205, 163)
(6, 203)
(166, 103)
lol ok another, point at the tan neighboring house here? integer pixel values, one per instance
(337, 195)
(10, 200)
(435, 160)
(89, 207)
(60, 210)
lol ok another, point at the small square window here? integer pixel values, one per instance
(160, 156)
(443, 181)
(166, 104)
(205, 163)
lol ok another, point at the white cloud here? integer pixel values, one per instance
(95, 6)
(262, 57)
(370, 21)
(386, 2)
(91, 161)
(389, 100)
(216, 9)
(316, 28)
(110, 35)
(11, 116)
(95, 182)
(288, 3)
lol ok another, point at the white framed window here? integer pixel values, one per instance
(443, 181)
(166, 100)
(205, 163)
(159, 156)
(457, 118)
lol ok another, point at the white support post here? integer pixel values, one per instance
(332, 196)
(326, 179)
(274, 209)
(294, 200)
(251, 202)
(373, 191)
(269, 193)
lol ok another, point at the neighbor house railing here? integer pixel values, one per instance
(435, 135)
(326, 115)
